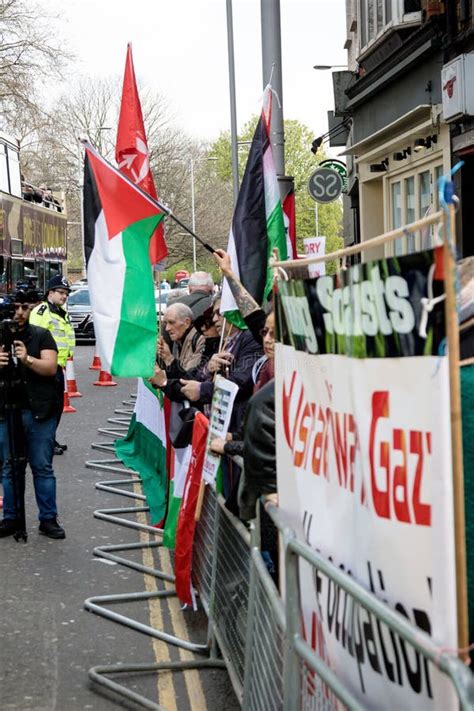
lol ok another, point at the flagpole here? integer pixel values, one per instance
(154, 201)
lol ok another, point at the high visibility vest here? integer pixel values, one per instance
(60, 328)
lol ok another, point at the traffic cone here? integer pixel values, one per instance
(67, 407)
(71, 385)
(96, 364)
(105, 380)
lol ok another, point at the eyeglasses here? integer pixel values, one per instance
(23, 307)
(267, 332)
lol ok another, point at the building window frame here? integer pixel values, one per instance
(378, 17)
(420, 240)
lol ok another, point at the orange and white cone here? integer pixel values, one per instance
(67, 407)
(96, 364)
(105, 380)
(71, 384)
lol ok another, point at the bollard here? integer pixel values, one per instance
(96, 364)
(105, 379)
(71, 384)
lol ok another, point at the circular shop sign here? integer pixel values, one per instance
(325, 185)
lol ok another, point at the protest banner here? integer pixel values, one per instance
(315, 246)
(365, 470)
(221, 412)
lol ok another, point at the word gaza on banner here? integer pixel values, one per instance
(364, 473)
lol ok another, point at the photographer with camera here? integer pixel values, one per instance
(28, 365)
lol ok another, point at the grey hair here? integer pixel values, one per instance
(182, 311)
(199, 280)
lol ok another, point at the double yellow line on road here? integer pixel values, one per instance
(165, 680)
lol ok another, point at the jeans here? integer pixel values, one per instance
(39, 437)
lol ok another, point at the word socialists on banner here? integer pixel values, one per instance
(364, 469)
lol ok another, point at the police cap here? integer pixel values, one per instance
(58, 282)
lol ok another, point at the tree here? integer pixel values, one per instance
(27, 49)
(300, 163)
(51, 154)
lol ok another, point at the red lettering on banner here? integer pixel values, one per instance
(381, 497)
(400, 483)
(318, 447)
(299, 454)
(392, 498)
(314, 433)
(422, 511)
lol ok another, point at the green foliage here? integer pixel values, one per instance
(300, 163)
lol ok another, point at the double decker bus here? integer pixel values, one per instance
(32, 225)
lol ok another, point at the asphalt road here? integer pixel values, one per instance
(47, 640)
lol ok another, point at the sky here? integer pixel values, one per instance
(180, 49)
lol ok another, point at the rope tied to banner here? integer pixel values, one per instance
(428, 303)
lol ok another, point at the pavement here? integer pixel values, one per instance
(48, 641)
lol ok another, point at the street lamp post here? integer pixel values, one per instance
(324, 67)
(193, 213)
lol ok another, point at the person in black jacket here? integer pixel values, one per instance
(235, 363)
(36, 394)
(257, 441)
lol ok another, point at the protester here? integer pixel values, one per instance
(201, 289)
(187, 342)
(256, 442)
(168, 378)
(52, 315)
(36, 394)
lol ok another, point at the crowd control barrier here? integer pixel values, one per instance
(253, 632)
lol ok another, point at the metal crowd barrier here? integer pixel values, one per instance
(252, 633)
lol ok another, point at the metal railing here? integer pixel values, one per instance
(258, 634)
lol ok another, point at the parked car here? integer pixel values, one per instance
(79, 284)
(80, 313)
(183, 283)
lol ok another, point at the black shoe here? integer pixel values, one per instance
(61, 446)
(58, 449)
(8, 527)
(52, 529)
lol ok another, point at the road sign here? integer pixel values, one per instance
(339, 167)
(325, 185)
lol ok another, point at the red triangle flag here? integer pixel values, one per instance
(131, 150)
(123, 204)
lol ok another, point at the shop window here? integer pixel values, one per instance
(412, 197)
(397, 213)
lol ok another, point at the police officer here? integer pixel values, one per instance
(52, 315)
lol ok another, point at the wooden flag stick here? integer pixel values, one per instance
(452, 332)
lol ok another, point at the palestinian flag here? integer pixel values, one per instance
(144, 448)
(257, 224)
(119, 220)
(131, 150)
(180, 461)
(186, 523)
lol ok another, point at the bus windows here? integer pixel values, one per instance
(39, 270)
(54, 269)
(4, 185)
(17, 271)
(14, 172)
